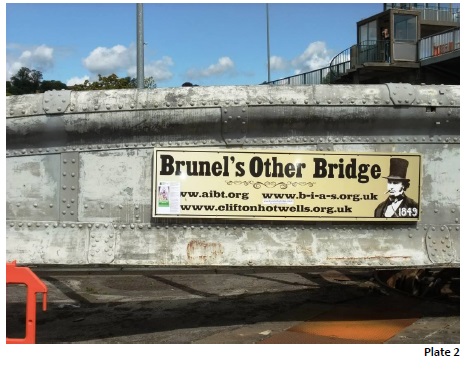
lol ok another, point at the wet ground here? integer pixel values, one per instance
(220, 307)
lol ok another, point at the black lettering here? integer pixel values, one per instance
(167, 168)
(375, 172)
(351, 169)
(256, 166)
(240, 169)
(361, 176)
(216, 169)
(319, 168)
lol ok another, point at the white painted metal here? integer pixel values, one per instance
(79, 179)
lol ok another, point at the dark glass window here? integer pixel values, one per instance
(404, 27)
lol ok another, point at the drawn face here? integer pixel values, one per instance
(395, 188)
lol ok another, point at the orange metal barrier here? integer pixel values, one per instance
(23, 275)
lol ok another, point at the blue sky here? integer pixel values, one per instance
(204, 43)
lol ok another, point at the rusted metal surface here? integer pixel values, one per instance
(79, 177)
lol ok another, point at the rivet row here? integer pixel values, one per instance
(297, 140)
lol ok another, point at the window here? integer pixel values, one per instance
(405, 27)
(368, 33)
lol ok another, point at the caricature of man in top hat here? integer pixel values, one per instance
(397, 204)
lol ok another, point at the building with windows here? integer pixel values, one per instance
(405, 43)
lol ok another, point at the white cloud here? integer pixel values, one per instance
(278, 63)
(315, 56)
(159, 70)
(39, 58)
(106, 61)
(224, 65)
(121, 60)
(77, 80)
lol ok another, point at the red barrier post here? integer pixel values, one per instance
(23, 275)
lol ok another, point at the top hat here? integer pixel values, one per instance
(398, 169)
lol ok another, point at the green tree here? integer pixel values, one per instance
(114, 82)
(52, 85)
(25, 81)
(106, 82)
(148, 83)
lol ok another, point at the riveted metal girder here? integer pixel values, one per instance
(69, 186)
(31, 187)
(439, 244)
(79, 177)
(56, 101)
(234, 124)
(401, 94)
(101, 244)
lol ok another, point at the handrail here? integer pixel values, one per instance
(440, 14)
(438, 44)
(343, 59)
(319, 76)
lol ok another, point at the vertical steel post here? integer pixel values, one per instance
(140, 48)
(268, 46)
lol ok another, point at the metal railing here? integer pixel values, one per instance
(440, 14)
(319, 76)
(439, 44)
